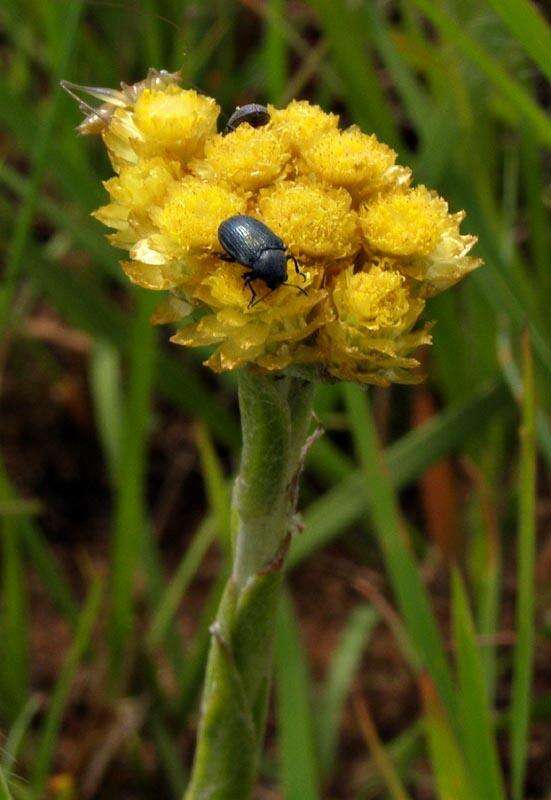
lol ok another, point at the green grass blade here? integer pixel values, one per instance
(381, 758)
(17, 733)
(191, 676)
(275, 52)
(447, 762)
(537, 216)
(49, 571)
(404, 574)
(514, 381)
(345, 503)
(40, 555)
(342, 669)
(486, 570)
(178, 382)
(14, 667)
(526, 554)
(527, 110)
(16, 252)
(58, 702)
(415, 100)
(343, 27)
(169, 757)
(529, 27)
(403, 750)
(5, 793)
(131, 516)
(299, 777)
(218, 488)
(408, 457)
(187, 568)
(475, 714)
(105, 388)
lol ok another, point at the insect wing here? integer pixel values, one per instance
(245, 238)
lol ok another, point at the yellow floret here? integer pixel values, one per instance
(145, 184)
(300, 122)
(312, 219)
(193, 212)
(174, 121)
(350, 158)
(248, 158)
(373, 300)
(404, 223)
(267, 333)
(371, 340)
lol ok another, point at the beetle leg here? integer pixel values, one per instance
(247, 278)
(297, 268)
(298, 288)
(226, 257)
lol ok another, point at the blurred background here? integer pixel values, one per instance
(418, 671)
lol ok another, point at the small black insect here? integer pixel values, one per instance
(249, 242)
(256, 115)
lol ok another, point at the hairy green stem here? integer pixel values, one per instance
(275, 415)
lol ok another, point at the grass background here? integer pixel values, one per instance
(414, 638)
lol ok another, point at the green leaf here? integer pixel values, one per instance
(523, 658)
(275, 52)
(17, 734)
(14, 667)
(411, 595)
(5, 793)
(529, 27)
(225, 758)
(187, 568)
(105, 386)
(406, 459)
(58, 702)
(383, 763)
(514, 381)
(131, 514)
(448, 766)
(39, 160)
(475, 714)
(527, 110)
(343, 26)
(344, 664)
(218, 490)
(298, 764)
(252, 640)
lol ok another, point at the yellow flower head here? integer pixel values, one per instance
(375, 300)
(140, 186)
(193, 211)
(370, 340)
(404, 223)
(248, 159)
(174, 121)
(300, 123)
(314, 219)
(364, 248)
(351, 159)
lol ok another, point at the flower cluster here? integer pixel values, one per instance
(371, 246)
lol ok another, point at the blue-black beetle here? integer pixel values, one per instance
(253, 113)
(249, 242)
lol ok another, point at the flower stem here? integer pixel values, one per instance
(275, 414)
